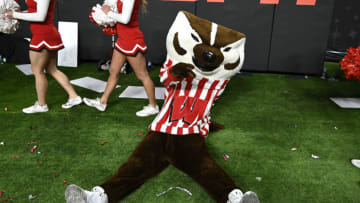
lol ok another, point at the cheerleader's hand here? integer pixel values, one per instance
(106, 9)
(8, 14)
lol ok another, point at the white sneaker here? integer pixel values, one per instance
(75, 194)
(236, 196)
(36, 108)
(95, 103)
(72, 102)
(356, 162)
(148, 110)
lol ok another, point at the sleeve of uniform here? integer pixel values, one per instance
(166, 77)
(125, 16)
(38, 16)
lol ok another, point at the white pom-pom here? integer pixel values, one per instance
(8, 26)
(100, 17)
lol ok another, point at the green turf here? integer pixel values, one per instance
(265, 116)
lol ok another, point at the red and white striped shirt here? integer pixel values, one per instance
(187, 104)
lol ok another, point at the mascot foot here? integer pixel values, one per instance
(236, 196)
(75, 194)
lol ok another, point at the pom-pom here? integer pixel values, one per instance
(351, 64)
(8, 26)
(109, 30)
(99, 18)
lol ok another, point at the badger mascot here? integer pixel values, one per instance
(202, 56)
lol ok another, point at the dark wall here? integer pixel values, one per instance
(345, 27)
(250, 18)
(299, 37)
(155, 24)
(280, 38)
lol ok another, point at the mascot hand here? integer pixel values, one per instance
(182, 70)
(214, 127)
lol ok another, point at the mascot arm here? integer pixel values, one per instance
(38, 16)
(182, 70)
(173, 74)
(125, 16)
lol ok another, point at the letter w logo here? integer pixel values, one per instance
(186, 109)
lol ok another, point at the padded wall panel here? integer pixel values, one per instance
(156, 23)
(93, 43)
(300, 37)
(248, 17)
(345, 29)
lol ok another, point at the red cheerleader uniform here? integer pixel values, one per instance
(130, 39)
(44, 34)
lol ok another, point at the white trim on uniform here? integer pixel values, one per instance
(46, 44)
(132, 51)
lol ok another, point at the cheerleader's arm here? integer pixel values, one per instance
(38, 16)
(125, 16)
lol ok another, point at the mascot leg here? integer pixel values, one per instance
(190, 154)
(147, 160)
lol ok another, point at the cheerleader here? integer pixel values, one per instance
(45, 43)
(130, 46)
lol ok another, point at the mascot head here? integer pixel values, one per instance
(215, 52)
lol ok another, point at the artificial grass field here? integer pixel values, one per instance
(265, 115)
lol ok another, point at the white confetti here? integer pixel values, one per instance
(258, 179)
(170, 188)
(31, 197)
(226, 157)
(2, 143)
(39, 152)
(336, 128)
(314, 156)
(293, 149)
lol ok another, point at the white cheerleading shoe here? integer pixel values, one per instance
(148, 111)
(95, 103)
(36, 108)
(72, 102)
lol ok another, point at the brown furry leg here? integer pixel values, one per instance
(189, 154)
(147, 160)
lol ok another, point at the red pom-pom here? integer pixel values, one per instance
(109, 30)
(351, 64)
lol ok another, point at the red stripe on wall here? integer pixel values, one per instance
(269, 1)
(215, 1)
(306, 2)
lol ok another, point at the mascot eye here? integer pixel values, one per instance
(194, 37)
(227, 49)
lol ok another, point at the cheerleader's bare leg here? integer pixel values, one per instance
(138, 63)
(59, 76)
(117, 61)
(39, 61)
